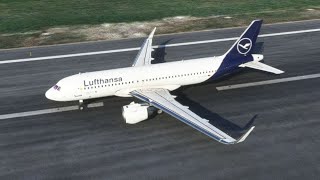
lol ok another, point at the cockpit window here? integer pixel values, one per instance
(56, 87)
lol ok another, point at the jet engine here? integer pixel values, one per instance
(135, 112)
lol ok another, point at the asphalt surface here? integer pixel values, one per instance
(97, 144)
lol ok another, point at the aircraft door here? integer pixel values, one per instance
(78, 93)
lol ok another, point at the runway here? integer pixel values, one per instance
(97, 144)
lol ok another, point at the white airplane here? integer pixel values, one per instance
(152, 83)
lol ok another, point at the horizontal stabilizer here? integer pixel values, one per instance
(260, 66)
(243, 137)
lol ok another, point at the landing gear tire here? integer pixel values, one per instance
(81, 107)
(159, 111)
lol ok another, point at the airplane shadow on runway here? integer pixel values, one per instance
(258, 48)
(160, 53)
(215, 119)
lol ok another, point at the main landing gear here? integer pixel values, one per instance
(82, 105)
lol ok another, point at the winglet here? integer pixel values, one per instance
(243, 137)
(152, 33)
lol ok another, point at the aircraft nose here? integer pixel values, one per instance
(50, 94)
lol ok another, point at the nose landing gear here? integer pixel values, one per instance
(82, 105)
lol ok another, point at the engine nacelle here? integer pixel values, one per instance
(134, 112)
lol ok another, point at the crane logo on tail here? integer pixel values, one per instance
(244, 45)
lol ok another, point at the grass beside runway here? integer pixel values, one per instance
(26, 15)
(19, 16)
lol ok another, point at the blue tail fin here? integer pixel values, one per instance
(246, 42)
(241, 50)
(240, 54)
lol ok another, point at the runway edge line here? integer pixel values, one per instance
(46, 111)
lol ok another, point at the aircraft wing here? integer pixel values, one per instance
(162, 99)
(144, 55)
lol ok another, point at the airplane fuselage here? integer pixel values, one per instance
(120, 82)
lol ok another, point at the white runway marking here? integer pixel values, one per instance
(46, 111)
(137, 48)
(244, 85)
